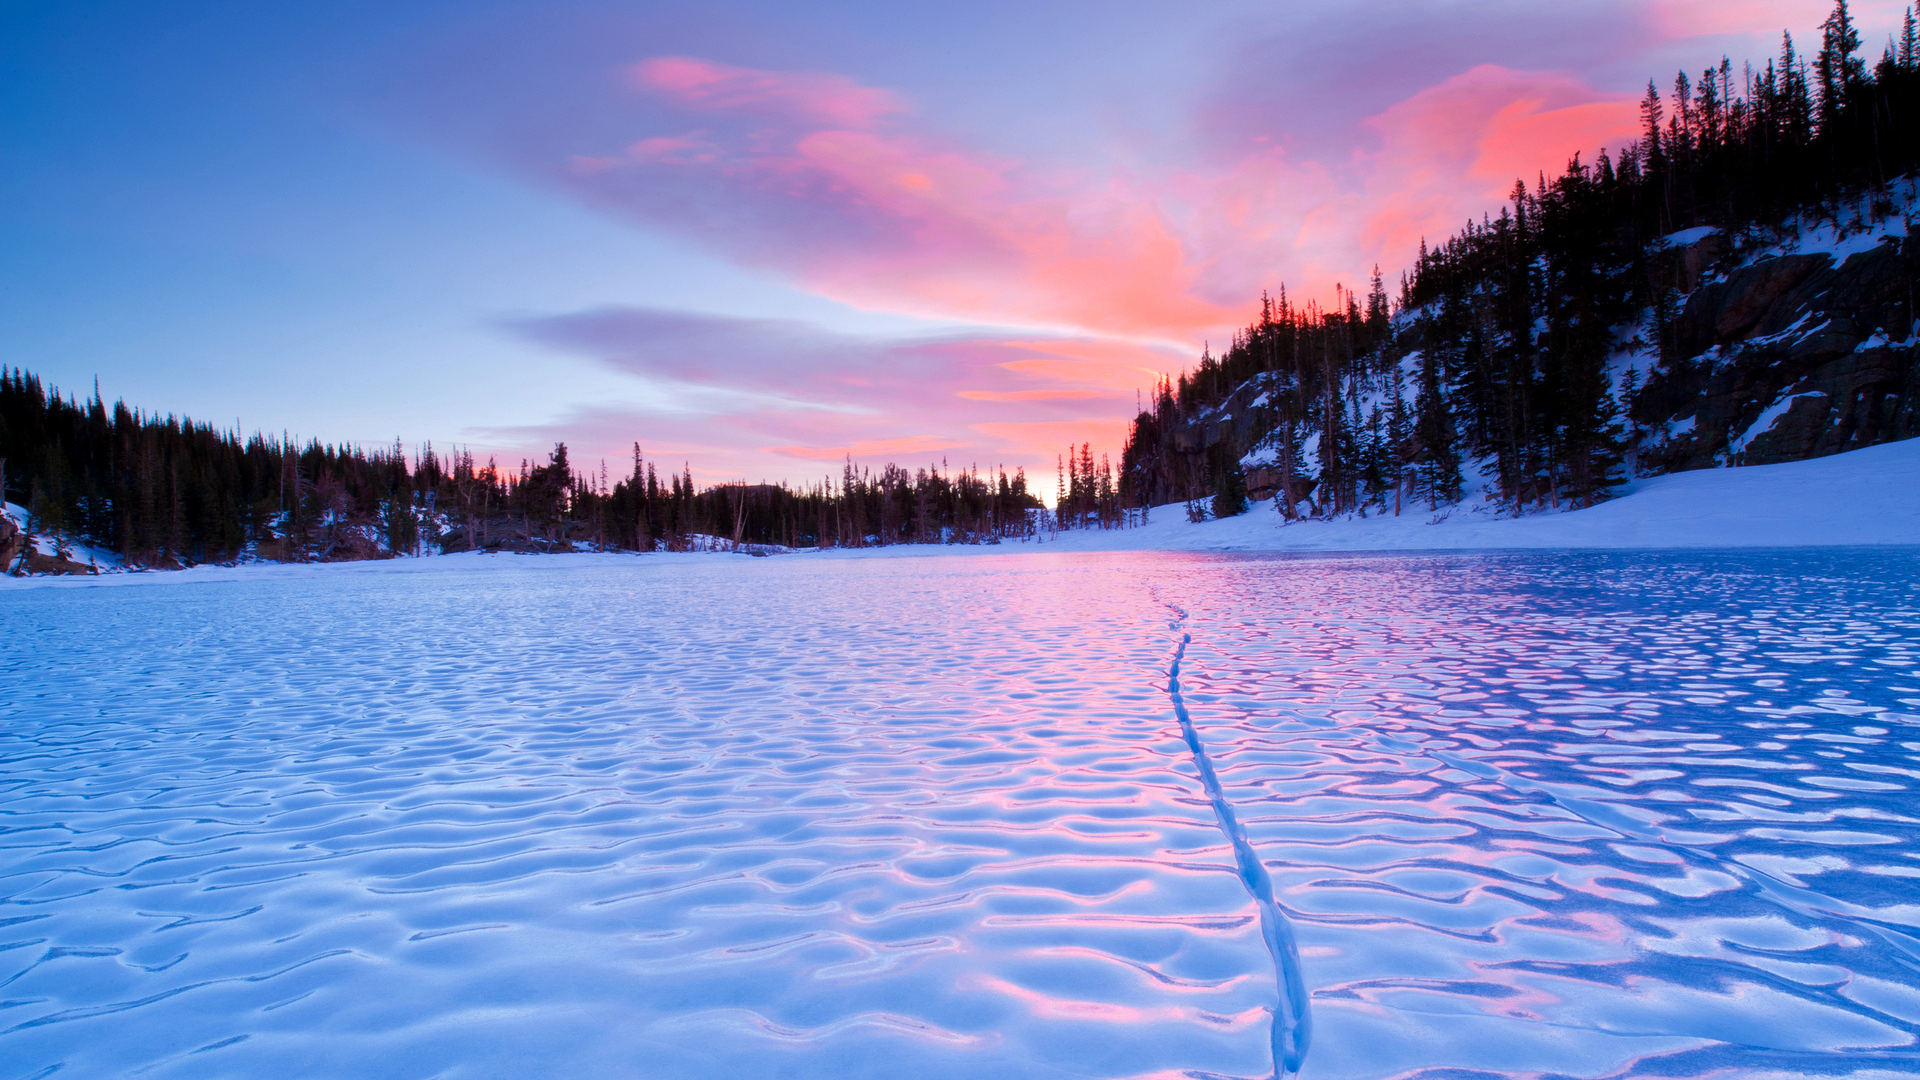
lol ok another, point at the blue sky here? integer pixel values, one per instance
(755, 236)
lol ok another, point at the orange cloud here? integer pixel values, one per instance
(1452, 151)
(1041, 439)
(1446, 154)
(1495, 125)
(1030, 395)
(985, 246)
(1113, 365)
(824, 186)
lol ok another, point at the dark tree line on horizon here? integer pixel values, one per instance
(1496, 350)
(167, 491)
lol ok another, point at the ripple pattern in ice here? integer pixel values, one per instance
(679, 817)
(1581, 815)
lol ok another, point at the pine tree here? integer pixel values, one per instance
(1228, 481)
(1838, 69)
(1436, 450)
(1652, 110)
(1399, 435)
(1707, 106)
(1379, 310)
(1797, 98)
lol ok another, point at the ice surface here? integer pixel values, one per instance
(611, 816)
(695, 816)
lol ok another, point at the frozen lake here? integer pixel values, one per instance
(676, 817)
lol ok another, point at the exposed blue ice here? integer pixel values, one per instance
(1585, 815)
(1292, 1018)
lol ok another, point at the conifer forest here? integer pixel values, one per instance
(164, 491)
(1502, 347)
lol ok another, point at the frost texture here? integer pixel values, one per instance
(698, 816)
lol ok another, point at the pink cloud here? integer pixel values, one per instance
(809, 97)
(902, 221)
(811, 187)
(1454, 150)
(749, 396)
(689, 149)
(797, 174)
(1443, 155)
(906, 449)
(1493, 124)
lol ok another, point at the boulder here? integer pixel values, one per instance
(1727, 311)
(12, 542)
(1698, 258)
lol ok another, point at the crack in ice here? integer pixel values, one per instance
(1292, 1021)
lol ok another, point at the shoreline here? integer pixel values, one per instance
(1863, 498)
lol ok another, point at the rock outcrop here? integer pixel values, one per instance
(1790, 357)
(12, 543)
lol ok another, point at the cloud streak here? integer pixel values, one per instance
(824, 180)
(737, 396)
(804, 97)
(1306, 158)
(813, 176)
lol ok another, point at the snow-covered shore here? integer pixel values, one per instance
(1866, 497)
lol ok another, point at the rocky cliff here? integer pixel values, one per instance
(1748, 346)
(1786, 356)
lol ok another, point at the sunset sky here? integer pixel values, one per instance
(759, 237)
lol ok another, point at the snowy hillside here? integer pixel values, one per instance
(26, 549)
(1553, 354)
(1869, 496)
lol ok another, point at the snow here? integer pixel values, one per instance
(1865, 496)
(1852, 229)
(1688, 237)
(45, 544)
(1844, 244)
(1765, 421)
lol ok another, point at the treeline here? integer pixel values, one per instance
(1496, 351)
(1302, 382)
(864, 509)
(167, 491)
(163, 491)
(1086, 496)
